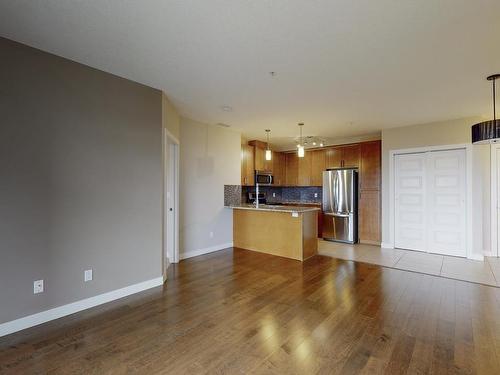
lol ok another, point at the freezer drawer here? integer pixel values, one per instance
(339, 227)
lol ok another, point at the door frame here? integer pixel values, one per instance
(494, 162)
(166, 139)
(468, 194)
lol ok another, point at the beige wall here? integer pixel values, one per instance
(209, 159)
(170, 117)
(80, 181)
(435, 134)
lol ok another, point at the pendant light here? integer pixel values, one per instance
(488, 131)
(300, 147)
(269, 154)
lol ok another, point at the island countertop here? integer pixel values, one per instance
(274, 208)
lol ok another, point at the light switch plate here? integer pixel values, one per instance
(295, 214)
(38, 286)
(87, 275)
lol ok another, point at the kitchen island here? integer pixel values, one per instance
(287, 231)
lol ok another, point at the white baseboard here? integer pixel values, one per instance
(206, 250)
(476, 256)
(489, 254)
(387, 245)
(71, 308)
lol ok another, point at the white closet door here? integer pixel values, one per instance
(446, 192)
(410, 215)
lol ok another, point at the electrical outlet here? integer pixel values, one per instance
(315, 195)
(38, 286)
(211, 234)
(87, 275)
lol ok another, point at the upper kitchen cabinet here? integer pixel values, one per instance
(291, 169)
(343, 156)
(351, 156)
(304, 170)
(333, 157)
(318, 165)
(247, 165)
(260, 162)
(278, 168)
(370, 165)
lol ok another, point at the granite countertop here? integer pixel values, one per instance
(274, 208)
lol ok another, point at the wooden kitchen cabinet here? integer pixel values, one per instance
(333, 157)
(304, 170)
(343, 156)
(259, 159)
(369, 217)
(278, 168)
(318, 165)
(351, 156)
(291, 169)
(247, 165)
(369, 174)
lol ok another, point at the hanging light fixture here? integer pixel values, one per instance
(300, 147)
(488, 131)
(269, 154)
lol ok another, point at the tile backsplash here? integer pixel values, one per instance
(284, 194)
(232, 195)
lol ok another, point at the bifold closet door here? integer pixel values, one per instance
(446, 210)
(410, 201)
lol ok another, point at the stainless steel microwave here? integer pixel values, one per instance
(263, 178)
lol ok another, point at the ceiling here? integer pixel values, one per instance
(344, 68)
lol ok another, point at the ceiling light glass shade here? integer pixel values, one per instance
(301, 152)
(269, 155)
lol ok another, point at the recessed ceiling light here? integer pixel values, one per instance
(227, 108)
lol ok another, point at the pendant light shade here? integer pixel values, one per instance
(300, 147)
(488, 131)
(300, 151)
(269, 154)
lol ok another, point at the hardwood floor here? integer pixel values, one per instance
(245, 312)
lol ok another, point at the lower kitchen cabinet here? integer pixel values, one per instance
(369, 217)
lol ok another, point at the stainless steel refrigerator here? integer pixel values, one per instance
(340, 205)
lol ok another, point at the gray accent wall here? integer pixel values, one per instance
(80, 181)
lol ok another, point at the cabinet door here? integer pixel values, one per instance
(291, 166)
(369, 177)
(304, 175)
(278, 168)
(333, 157)
(247, 166)
(318, 165)
(369, 217)
(351, 156)
(260, 158)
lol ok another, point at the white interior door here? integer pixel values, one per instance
(410, 215)
(171, 201)
(446, 192)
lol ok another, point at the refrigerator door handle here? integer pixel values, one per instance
(336, 215)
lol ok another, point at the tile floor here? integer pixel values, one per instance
(487, 272)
